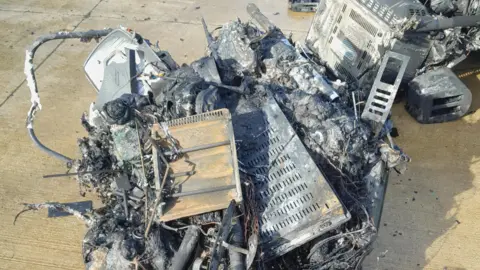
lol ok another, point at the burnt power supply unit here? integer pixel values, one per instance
(352, 36)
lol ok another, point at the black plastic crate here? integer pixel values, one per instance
(438, 96)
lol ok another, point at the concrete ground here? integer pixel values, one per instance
(430, 215)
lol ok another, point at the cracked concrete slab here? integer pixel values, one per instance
(185, 42)
(429, 217)
(55, 7)
(215, 13)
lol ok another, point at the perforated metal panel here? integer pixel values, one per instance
(295, 201)
(363, 23)
(214, 167)
(382, 95)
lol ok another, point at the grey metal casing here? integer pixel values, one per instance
(351, 36)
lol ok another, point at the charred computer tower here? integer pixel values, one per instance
(352, 37)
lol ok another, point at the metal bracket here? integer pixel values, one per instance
(383, 94)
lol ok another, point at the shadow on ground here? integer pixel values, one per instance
(430, 211)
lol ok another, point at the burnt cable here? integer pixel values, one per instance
(32, 83)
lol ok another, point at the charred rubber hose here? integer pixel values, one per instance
(187, 248)
(32, 83)
(429, 23)
(46, 149)
(237, 260)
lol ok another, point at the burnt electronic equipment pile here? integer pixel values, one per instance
(252, 157)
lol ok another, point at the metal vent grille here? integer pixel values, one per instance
(213, 115)
(388, 16)
(383, 11)
(363, 23)
(382, 95)
(343, 72)
(294, 200)
(215, 167)
(368, 3)
(418, 12)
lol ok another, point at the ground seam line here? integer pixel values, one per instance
(86, 16)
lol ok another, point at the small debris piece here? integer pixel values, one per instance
(456, 220)
(138, 193)
(413, 199)
(125, 140)
(276, 13)
(415, 191)
(394, 132)
(81, 207)
(385, 224)
(197, 7)
(61, 207)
